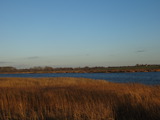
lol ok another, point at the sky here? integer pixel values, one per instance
(78, 33)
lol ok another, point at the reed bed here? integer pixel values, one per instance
(77, 99)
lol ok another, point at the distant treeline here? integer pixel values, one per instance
(47, 69)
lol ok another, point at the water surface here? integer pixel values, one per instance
(151, 78)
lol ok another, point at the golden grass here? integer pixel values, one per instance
(76, 99)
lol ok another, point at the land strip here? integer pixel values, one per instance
(136, 68)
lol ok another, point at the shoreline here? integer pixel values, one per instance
(120, 69)
(116, 71)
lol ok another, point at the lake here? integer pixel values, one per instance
(149, 78)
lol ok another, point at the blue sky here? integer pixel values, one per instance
(78, 33)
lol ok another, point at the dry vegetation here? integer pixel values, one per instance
(76, 99)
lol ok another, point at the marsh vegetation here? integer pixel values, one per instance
(76, 99)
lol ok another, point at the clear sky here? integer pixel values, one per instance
(78, 33)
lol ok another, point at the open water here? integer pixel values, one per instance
(149, 78)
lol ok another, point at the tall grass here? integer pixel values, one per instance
(76, 99)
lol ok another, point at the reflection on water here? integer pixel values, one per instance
(152, 78)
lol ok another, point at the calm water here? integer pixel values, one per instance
(152, 78)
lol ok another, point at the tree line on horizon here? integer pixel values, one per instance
(136, 68)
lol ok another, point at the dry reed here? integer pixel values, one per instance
(76, 99)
